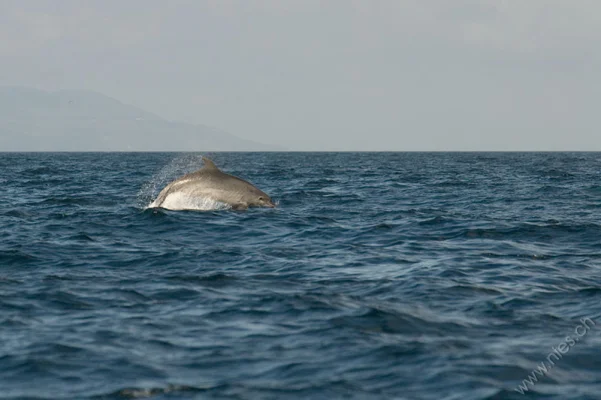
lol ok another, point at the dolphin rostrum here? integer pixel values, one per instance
(210, 184)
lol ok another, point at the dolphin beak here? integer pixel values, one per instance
(271, 204)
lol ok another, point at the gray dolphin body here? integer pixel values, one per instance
(211, 184)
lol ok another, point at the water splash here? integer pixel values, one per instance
(178, 166)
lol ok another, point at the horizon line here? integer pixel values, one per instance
(298, 151)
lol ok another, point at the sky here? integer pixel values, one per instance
(329, 75)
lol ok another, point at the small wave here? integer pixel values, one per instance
(80, 237)
(533, 231)
(557, 173)
(438, 220)
(15, 257)
(210, 280)
(143, 393)
(376, 319)
(17, 214)
(72, 200)
(41, 170)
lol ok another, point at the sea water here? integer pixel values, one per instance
(378, 276)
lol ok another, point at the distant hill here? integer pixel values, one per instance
(36, 120)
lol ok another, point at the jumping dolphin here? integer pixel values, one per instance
(210, 184)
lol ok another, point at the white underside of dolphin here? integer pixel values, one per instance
(181, 201)
(210, 189)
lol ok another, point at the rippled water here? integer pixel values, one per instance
(380, 275)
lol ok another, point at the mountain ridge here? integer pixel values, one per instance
(83, 120)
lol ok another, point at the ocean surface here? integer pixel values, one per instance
(378, 276)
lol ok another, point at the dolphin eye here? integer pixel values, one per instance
(261, 198)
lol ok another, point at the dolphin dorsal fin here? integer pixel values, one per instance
(209, 164)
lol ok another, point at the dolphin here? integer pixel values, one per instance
(210, 184)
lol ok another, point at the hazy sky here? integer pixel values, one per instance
(329, 75)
